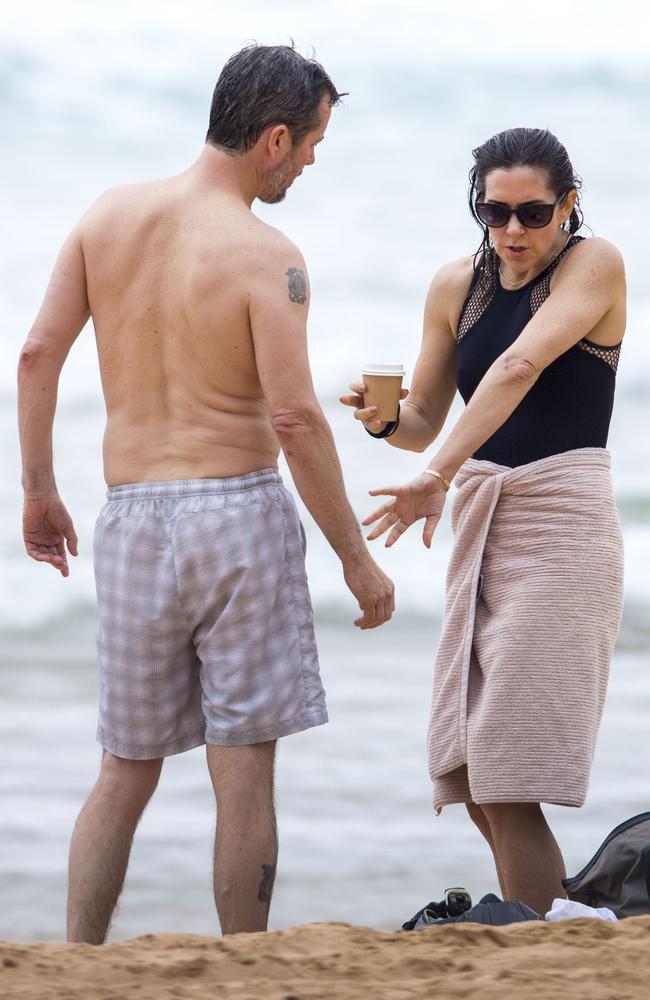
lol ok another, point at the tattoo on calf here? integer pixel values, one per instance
(297, 285)
(265, 890)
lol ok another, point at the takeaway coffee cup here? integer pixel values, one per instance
(383, 384)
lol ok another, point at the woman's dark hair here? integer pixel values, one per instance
(266, 85)
(522, 147)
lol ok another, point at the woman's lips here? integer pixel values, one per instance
(516, 251)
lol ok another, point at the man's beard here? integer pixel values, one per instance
(278, 182)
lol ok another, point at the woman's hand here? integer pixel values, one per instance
(422, 497)
(366, 414)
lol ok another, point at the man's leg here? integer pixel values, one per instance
(101, 843)
(246, 843)
(530, 863)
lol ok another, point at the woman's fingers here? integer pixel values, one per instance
(366, 414)
(351, 400)
(386, 491)
(386, 508)
(430, 525)
(398, 529)
(387, 521)
(358, 388)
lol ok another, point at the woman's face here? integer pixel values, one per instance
(522, 249)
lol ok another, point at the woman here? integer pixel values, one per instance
(529, 330)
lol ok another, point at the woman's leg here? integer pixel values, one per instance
(480, 820)
(529, 861)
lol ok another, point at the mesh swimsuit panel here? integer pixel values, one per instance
(570, 404)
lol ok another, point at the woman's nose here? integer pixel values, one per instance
(513, 225)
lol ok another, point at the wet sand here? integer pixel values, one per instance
(574, 959)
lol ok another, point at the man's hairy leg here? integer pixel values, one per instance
(101, 843)
(246, 843)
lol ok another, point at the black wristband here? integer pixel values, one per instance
(389, 429)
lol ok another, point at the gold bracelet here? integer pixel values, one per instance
(438, 475)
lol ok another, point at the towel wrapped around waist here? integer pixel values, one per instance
(533, 608)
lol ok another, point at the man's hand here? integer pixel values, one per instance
(423, 497)
(47, 526)
(373, 590)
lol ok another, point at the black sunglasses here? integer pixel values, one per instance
(534, 215)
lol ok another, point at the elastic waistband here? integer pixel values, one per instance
(194, 487)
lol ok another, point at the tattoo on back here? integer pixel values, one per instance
(297, 285)
(265, 890)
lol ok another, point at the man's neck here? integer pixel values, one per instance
(232, 173)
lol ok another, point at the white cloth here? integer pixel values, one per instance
(566, 909)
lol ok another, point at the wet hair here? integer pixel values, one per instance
(265, 85)
(522, 147)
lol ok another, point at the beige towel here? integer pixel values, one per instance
(533, 607)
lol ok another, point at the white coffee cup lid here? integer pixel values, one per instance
(382, 369)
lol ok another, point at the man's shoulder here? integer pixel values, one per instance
(140, 195)
(110, 204)
(268, 247)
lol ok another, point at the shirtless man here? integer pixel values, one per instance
(204, 630)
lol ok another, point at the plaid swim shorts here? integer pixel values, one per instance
(204, 621)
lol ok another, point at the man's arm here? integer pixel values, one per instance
(278, 309)
(62, 316)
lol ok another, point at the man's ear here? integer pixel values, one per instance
(278, 142)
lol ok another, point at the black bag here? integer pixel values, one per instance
(618, 875)
(490, 910)
(495, 911)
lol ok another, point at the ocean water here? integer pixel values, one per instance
(99, 95)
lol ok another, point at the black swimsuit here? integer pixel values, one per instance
(570, 404)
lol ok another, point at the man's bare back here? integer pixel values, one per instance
(200, 312)
(205, 628)
(170, 271)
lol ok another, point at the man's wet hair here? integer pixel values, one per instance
(264, 85)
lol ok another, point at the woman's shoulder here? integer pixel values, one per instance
(453, 279)
(597, 252)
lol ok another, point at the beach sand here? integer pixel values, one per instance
(573, 959)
